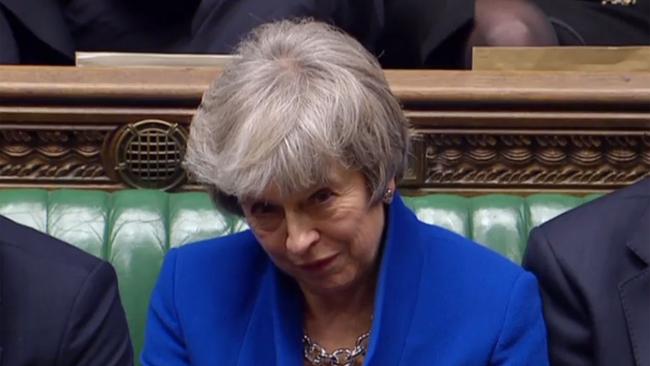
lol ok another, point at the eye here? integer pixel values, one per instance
(263, 208)
(264, 216)
(323, 195)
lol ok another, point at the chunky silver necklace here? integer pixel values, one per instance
(318, 356)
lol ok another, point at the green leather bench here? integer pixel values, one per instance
(133, 229)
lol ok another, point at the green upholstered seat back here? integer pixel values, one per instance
(133, 229)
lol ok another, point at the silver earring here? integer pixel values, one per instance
(388, 196)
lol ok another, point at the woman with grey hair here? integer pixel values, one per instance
(302, 137)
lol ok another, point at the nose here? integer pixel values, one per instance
(301, 233)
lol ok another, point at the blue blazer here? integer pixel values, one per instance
(441, 300)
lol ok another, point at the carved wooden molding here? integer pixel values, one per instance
(529, 160)
(51, 156)
(475, 131)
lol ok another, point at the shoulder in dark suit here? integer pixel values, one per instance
(58, 305)
(592, 266)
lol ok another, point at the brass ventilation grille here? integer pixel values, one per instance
(149, 154)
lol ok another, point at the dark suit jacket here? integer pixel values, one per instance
(50, 31)
(59, 306)
(592, 266)
(403, 33)
(41, 30)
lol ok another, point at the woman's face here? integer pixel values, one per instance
(327, 238)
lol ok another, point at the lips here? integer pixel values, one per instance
(318, 265)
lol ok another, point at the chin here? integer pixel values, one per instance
(334, 284)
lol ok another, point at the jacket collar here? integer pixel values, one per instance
(399, 273)
(634, 292)
(639, 239)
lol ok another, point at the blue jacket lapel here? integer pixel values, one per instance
(396, 296)
(274, 331)
(287, 320)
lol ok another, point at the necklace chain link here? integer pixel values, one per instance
(318, 356)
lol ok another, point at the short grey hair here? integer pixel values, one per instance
(300, 96)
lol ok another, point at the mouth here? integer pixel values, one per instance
(318, 265)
